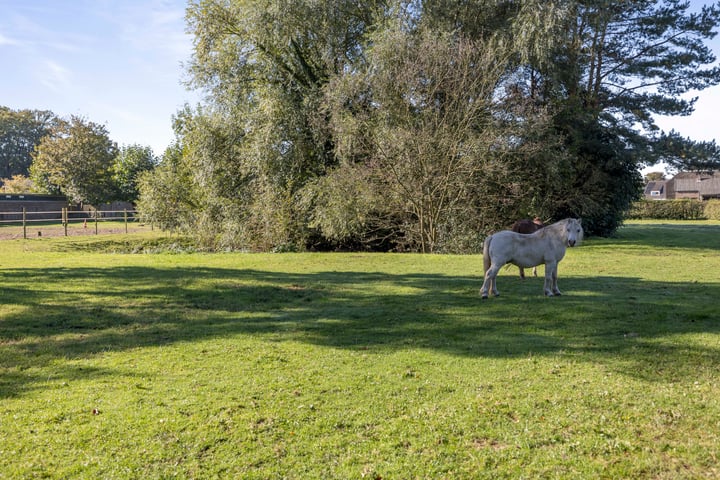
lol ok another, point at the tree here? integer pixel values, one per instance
(686, 154)
(164, 197)
(17, 184)
(626, 61)
(431, 127)
(130, 162)
(259, 140)
(76, 159)
(20, 132)
(654, 176)
(617, 65)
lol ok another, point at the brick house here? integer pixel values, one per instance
(656, 190)
(696, 186)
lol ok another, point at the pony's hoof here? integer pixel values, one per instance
(484, 297)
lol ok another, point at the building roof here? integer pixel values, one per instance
(655, 186)
(31, 197)
(706, 184)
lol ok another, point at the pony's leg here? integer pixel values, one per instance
(522, 273)
(556, 290)
(490, 282)
(534, 271)
(494, 283)
(550, 273)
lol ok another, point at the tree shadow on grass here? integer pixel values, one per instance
(117, 309)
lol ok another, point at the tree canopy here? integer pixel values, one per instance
(76, 159)
(73, 157)
(128, 165)
(20, 132)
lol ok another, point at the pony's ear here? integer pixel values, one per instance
(579, 220)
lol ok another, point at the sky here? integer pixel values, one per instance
(119, 63)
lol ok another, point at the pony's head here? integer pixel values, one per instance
(574, 230)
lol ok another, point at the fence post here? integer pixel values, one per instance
(24, 223)
(125, 216)
(65, 219)
(96, 221)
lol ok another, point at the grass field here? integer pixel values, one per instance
(167, 364)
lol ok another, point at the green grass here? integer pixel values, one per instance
(192, 365)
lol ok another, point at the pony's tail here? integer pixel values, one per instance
(486, 254)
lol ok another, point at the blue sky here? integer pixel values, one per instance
(119, 63)
(114, 62)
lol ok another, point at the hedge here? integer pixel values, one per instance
(712, 209)
(686, 209)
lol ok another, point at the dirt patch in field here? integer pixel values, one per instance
(44, 231)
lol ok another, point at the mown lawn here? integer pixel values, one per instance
(190, 365)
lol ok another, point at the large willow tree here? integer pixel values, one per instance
(259, 138)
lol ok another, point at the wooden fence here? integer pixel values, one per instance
(64, 217)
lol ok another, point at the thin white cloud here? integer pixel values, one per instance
(27, 32)
(155, 25)
(7, 41)
(54, 76)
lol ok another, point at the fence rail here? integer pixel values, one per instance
(65, 217)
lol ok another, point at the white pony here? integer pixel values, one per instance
(546, 246)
